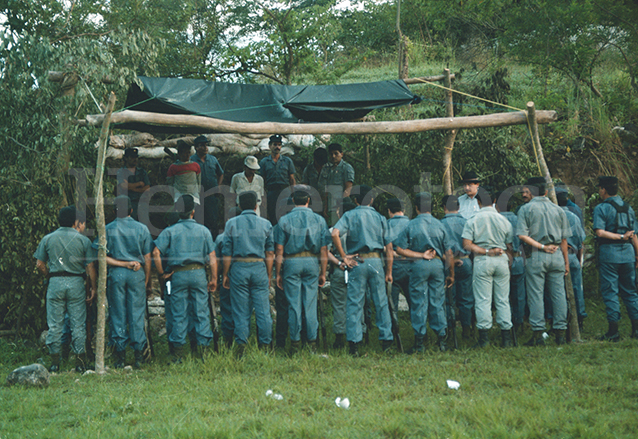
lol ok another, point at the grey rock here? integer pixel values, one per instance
(34, 375)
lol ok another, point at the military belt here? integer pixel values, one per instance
(248, 259)
(302, 255)
(369, 255)
(67, 274)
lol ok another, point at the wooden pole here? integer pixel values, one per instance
(449, 138)
(574, 330)
(533, 123)
(410, 126)
(101, 230)
(421, 80)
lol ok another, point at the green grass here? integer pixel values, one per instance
(579, 390)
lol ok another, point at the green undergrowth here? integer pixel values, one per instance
(579, 390)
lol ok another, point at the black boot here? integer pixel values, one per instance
(536, 340)
(177, 354)
(581, 326)
(55, 363)
(120, 359)
(634, 329)
(467, 332)
(483, 339)
(312, 345)
(66, 350)
(612, 334)
(419, 346)
(264, 347)
(506, 338)
(560, 336)
(442, 340)
(81, 362)
(201, 352)
(354, 349)
(386, 345)
(340, 341)
(139, 359)
(295, 347)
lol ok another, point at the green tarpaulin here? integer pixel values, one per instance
(261, 103)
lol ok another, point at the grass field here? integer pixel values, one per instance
(578, 390)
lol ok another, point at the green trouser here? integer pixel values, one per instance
(66, 294)
(545, 269)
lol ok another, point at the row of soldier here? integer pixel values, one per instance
(422, 257)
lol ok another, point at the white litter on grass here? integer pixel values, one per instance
(88, 372)
(545, 335)
(343, 403)
(276, 396)
(454, 385)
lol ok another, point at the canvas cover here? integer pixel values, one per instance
(261, 102)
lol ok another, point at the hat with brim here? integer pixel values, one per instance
(276, 138)
(200, 139)
(251, 163)
(470, 177)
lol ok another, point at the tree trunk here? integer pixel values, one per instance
(99, 208)
(449, 138)
(533, 123)
(411, 126)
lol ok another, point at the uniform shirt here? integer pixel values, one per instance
(468, 206)
(186, 179)
(488, 229)
(396, 224)
(65, 249)
(518, 267)
(543, 221)
(239, 183)
(335, 175)
(367, 230)
(310, 176)
(185, 243)
(301, 230)
(219, 243)
(210, 168)
(454, 224)
(424, 233)
(123, 174)
(578, 233)
(605, 219)
(127, 240)
(276, 174)
(573, 208)
(248, 235)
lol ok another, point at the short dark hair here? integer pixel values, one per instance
(360, 195)
(67, 216)
(320, 156)
(182, 146)
(394, 205)
(123, 206)
(450, 202)
(248, 200)
(188, 205)
(484, 196)
(347, 205)
(536, 185)
(609, 183)
(423, 202)
(300, 195)
(335, 147)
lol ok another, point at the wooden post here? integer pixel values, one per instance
(449, 138)
(101, 230)
(574, 330)
(533, 123)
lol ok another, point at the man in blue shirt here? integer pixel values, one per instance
(426, 242)
(367, 237)
(400, 266)
(212, 176)
(65, 256)
(518, 299)
(301, 237)
(543, 227)
(614, 226)
(188, 247)
(248, 251)
(279, 174)
(129, 245)
(462, 288)
(575, 251)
